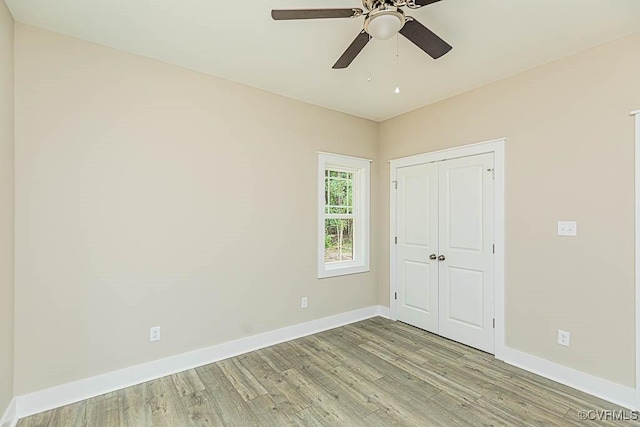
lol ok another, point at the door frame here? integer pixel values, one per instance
(497, 147)
(636, 115)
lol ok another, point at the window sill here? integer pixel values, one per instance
(342, 271)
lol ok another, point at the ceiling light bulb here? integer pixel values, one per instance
(384, 25)
(397, 89)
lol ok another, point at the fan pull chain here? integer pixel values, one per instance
(397, 67)
(369, 78)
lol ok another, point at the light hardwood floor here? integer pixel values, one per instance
(372, 373)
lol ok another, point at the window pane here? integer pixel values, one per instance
(338, 241)
(338, 189)
(336, 192)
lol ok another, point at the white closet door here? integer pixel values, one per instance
(417, 246)
(466, 246)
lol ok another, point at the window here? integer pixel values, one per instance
(343, 215)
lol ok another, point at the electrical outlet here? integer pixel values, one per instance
(154, 334)
(564, 338)
(567, 228)
(304, 303)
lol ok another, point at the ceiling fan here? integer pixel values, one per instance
(383, 20)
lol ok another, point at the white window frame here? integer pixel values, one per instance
(361, 209)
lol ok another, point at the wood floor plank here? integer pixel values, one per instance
(367, 391)
(37, 420)
(355, 358)
(387, 399)
(104, 412)
(273, 359)
(440, 350)
(297, 357)
(268, 412)
(362, 356)
(243, 381)
(356, 335)
(257, 365)
(393, 338)
(187, 382)
(338, 404)
(202, 411)
(167, 407)
(232, 407)
(373, 335)
(73, 415)
(376, 320)
(317, 354)
(314, 363)
(408, 389)
(324, 347)
(135, 407)
(478, 413)
(389, 351)
(378, 351)
(382, 418)
(320, 376)
(448, 348)
(437, 380)
(287, 355)
(409, 405)
(313, 417)
(284, 395)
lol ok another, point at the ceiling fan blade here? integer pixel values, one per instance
(424, 38)
(286, 14)
(352, 51)
(420, 3)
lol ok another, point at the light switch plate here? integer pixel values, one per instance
(154, 333)
(567, 228)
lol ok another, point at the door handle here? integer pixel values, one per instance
(432, 256)
(441, 258)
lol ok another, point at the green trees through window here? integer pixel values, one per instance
(339, 215)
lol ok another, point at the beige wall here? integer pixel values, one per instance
(6, 207)
(151, 195)
(569, 156)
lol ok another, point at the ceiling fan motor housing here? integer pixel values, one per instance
(378, 4)
(384, 23)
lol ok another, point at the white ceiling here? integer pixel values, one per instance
(239, 41)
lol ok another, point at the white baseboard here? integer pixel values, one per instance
(384, 312)
(608, 390)
(65, 394)
(9, 418)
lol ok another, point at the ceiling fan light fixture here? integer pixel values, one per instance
(384, 24)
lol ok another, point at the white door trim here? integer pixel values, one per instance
(497, 147)
(637, 261)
